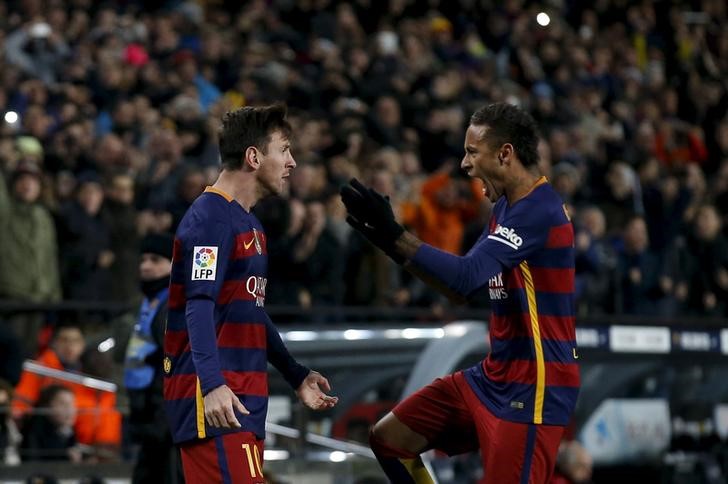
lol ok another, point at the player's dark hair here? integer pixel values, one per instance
(250, 126)
(509, 124)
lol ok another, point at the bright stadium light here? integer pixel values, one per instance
(415, 333)
(354, 334)
(300, 336)
(11, 117)
(455, 330)
(275, 454)
(337, 456)
(543, 19)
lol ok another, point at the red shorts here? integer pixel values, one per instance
(453, 420)
(235, 458)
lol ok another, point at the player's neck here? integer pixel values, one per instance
(521, 185)
(240, 186)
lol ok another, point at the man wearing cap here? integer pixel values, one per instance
(29, 262)
(157, 461)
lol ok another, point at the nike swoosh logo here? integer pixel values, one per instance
(248, 244)
(573, 351)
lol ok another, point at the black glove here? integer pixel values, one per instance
(371, 214)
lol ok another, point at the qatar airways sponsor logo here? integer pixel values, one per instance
(496, 288)
(506, 236)
(255, 285)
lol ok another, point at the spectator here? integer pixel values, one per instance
(289, 289)
(595, 263)
(48, 432)
(190, 186)
(186, 66)
(703, 281)
(621, 200)
(119, 214)
(157, 458)
(449, 201)
(566, 181)
(665, 203)
(85, 242)
(38, 50)
(98, 422)
(160, 181)
(641, 281)
(29, 266)
(386, 122)
(678, 143)
(317, 249)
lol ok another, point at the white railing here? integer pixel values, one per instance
(322, 440)
(79, 378)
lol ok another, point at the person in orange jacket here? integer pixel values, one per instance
(449, 200)
(99, 421)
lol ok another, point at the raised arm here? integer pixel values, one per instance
(456, 277)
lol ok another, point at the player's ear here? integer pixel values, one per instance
(252, 157)
(505, 154)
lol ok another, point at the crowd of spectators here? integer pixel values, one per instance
(108, 131)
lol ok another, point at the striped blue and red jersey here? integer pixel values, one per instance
(219, 256)
(526, 258)
(531, 373)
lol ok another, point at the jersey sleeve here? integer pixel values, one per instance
(207, 245)
(207, 251)
(522, 233)
(463, 275)
(293, 372)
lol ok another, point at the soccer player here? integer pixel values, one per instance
(218, 337)
(514, 404)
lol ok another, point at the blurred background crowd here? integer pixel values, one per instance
(109, 114)
(111, 111)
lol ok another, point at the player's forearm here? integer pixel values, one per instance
(278, 355)
(203, 343)
(434, 283)
(408, 245)
(454, 276)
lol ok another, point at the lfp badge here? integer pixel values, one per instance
(205, 263)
